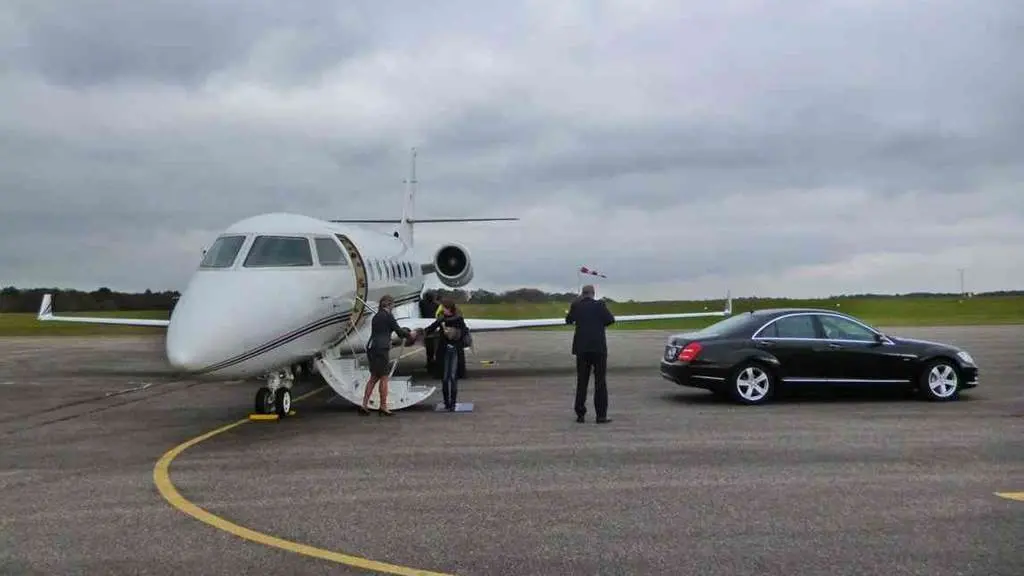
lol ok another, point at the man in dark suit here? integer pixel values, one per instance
(428, 305)
(591, 317)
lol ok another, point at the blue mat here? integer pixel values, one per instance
(459, 407)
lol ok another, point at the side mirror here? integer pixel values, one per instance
(880, 338)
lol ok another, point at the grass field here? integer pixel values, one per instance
(923, 311)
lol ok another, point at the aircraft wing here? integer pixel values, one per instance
(46, 315)
(493, 325)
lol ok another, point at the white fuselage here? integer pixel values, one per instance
(240, 319)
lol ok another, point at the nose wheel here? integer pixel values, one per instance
(273, 401)
(276, 397)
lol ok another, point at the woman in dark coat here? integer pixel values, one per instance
(452, 341)
(378, 352)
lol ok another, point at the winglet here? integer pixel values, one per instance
(728, 303)
(46, 307)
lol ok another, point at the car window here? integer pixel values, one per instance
(800, 326)
(837, 328)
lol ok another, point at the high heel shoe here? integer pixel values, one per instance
(363, 411)
(383, 413)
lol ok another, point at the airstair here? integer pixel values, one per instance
(347, 374)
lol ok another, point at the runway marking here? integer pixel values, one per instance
(129, 390)
(1019, 496)
(162, 479)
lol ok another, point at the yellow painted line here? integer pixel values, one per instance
(1019, 496)
(162, 479)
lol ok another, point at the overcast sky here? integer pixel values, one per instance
(683, 148)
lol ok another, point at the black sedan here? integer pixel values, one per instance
(750, 356)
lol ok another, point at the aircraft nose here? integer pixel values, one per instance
(182, 355)
(184, 348)
(190, 335)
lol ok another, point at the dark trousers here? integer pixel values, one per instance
(585, 361)
(437, 368)
(430, 347)
(450, 380)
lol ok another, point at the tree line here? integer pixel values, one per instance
(27, 300)
(14, 299)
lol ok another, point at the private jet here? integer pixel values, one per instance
(278, 291)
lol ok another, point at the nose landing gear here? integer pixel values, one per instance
(276, 396)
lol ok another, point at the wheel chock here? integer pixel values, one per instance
(263, 417)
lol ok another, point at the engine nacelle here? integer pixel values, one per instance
(453, 266)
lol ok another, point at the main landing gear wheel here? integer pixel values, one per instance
(752, 383)
(940, 381)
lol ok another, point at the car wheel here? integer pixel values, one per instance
(752, 383)
(940, 381)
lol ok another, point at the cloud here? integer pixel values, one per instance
(785, 148)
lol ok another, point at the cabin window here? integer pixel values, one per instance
(283, 251)
(223, 252)
(380, 273)
(328, 252)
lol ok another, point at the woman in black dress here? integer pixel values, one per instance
(378, 352)
(453, 339)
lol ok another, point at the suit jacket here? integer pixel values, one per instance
(591, 317)
(381, 327)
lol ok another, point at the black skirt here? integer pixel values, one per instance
(378, 363)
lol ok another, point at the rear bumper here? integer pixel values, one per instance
(684, 375)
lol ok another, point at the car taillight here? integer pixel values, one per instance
(690, 351)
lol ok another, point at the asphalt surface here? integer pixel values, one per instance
(678, 484)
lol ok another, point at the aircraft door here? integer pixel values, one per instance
(362, 285)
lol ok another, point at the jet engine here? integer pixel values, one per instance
(452, 265)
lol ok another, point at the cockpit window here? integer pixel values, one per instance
(329, 253)
(270, 251)
(223, 252)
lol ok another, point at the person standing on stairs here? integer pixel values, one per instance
(378, 352)
(452, 340)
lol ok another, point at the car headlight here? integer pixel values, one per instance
(965, 357)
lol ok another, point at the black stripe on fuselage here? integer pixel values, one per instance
(295, 335)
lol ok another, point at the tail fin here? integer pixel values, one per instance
(405, 227)
(404, 231)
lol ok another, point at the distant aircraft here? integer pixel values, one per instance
(276, 291)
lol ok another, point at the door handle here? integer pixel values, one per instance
(834, 346)
(765, 344)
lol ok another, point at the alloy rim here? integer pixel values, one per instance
(752, 384)
(942, 380)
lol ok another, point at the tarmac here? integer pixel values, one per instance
(679, 483)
